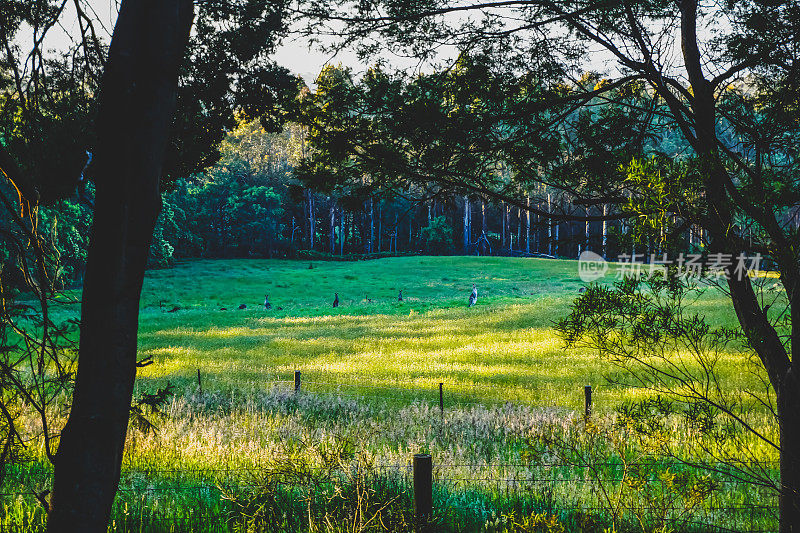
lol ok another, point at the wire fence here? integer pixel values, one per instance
(400, 391)
(735, 504)
(569, 489)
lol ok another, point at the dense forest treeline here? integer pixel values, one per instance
(250, 204)
(352, 172)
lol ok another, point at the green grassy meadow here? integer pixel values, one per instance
(369, 397)
(503, 349)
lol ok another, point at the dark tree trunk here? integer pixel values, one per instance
(306, 216)
(371, 225)
(504, 221)
(136, 106)
(788, 407)
(312, 222)
(341, 231)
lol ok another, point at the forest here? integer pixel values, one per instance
(275, 194)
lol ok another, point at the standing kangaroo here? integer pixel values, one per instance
(473, 298)
(267, 305)
(336, 299)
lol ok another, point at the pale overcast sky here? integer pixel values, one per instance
(294, 54)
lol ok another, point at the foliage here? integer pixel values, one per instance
(150, 405)
(645, 327)
(37, 350)
(438, 235)
(227, 70)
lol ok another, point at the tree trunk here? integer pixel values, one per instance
(306, 217)
(312, 230)
(483, 216)
(371, 225)
(394, 233)
(504, 223)
(555, 238)
(528, 225)
(788, 400)
(410, 230)
(605, 232)
(137, 102)
(380, 225)
(333, 229)
(467, 231)
(341, 231)
(586, 232)
(549, 226)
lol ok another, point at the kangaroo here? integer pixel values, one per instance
(473, 298)
(267, 305)
(336, 299)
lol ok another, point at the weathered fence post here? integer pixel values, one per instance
(587, 393)
(199, 383)
(441, 399)
(296, 380)
(423, 492)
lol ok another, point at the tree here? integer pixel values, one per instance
(438, 235)
(138, 93)
(255, 219)
(729, 93)
(50, 107)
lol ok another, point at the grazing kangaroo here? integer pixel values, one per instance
(336, 299)
(400, 296)
(473, 298)
(267, 305)
(242, 306)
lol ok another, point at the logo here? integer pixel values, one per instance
(591, 266)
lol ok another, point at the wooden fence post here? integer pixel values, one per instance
(296, 380)
(199, 383)
(587, 393)
(423, 492)
(441, 399)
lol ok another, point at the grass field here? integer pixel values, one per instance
(503, 349)
(370, 374)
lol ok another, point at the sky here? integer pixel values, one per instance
(294, 53)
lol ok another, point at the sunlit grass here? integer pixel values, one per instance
(503, 349)
(370, 371)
